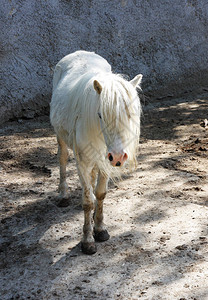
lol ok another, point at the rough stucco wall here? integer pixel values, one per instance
(164, 40)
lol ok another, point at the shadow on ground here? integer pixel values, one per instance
(39, 243)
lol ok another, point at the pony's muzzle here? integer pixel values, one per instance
(117, 159)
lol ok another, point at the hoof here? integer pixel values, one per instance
(101, 236)
(88, 248)
(64, 202)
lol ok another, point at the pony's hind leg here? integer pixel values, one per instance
(100, 232)
(63, 159)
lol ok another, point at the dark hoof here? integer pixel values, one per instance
(101, 236)
(63, 202)
(88, 248)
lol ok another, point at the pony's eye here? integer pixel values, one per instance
(99, 115)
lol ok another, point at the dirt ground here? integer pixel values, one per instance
(156, 216)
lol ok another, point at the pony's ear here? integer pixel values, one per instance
(97, 86)
(137, 81)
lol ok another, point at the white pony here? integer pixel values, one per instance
(97, 114)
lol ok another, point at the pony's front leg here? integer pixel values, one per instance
(88, 243)
(100, 232)
(84, 170)
(63, 158)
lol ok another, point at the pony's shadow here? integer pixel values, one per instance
(24, 229)
(73, 199)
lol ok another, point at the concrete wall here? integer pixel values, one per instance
(165, 40)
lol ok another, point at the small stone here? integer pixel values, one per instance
(182, 247)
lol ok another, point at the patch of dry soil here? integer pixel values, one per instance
(157, 216)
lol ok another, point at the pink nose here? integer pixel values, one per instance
(117, 159)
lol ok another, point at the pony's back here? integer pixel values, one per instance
(72, 76)
(78, 64)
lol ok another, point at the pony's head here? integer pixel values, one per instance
(119, 117)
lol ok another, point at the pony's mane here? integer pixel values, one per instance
(117, 98)
(119, 107)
